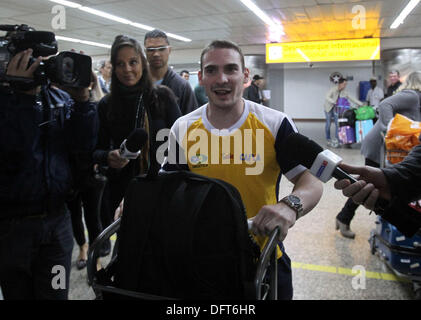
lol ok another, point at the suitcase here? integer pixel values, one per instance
(362, 127)
(346, 135)
(395, 238)
(402, 262)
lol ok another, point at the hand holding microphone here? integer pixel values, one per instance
(129, 149)
(324, 165)
(371, 186)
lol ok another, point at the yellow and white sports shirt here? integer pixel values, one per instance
(245, 155)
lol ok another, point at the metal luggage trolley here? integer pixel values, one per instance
(265, 288)
(386, 250)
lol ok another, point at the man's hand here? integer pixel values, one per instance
(272, 216)
(372, 184)
(18, 67)
(115, 161)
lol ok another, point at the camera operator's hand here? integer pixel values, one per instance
(115, 161)
(18, 67)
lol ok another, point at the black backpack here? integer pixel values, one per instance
(185, 236)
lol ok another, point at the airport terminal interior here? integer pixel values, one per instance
(300, 49)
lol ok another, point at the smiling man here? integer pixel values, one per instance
(158, 51)
(259, 133)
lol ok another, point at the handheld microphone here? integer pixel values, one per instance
(323, 164)
(130, 147)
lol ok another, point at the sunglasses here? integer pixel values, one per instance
(160, 49)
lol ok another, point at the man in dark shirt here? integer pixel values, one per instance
(158, 51)
(394, 83)
(254, 91)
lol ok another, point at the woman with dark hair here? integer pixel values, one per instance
(133, 102)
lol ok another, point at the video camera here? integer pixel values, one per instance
(69, 69)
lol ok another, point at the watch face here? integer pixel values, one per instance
(294, 199)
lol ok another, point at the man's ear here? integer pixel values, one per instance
(199, 75)
(246, 75)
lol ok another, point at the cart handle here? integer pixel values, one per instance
(268, 259)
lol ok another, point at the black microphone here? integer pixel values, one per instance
(130, 147)
(323, 164)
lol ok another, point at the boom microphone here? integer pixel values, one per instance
(130, 147)
(323, 164)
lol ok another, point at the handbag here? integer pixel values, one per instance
(365, 113)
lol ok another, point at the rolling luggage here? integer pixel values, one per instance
(346, 135)
(362, 128)
(184, 236)
(395, 238)
(400, 253)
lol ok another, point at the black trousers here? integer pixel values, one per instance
(348, 211)
(35, 257)
(89, 197)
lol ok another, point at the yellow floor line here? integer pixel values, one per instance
(347, 272)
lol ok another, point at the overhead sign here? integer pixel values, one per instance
(332, 50)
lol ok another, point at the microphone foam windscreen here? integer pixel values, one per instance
(136, 140)
(301, 149)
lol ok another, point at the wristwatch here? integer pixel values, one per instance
(294, 203)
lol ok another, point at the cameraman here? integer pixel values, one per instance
(36, 238)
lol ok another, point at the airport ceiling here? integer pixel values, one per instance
(206, 20)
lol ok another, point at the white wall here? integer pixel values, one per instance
(305, 88)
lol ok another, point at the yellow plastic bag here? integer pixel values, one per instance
(402, 135)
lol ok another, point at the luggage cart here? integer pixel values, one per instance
(265, 281)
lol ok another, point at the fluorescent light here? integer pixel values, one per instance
(141, 26)
(105, 15)
(400, 19)
(172, 35)
(67, 3)
(91, 43)
(258, 12)
(114, 18)
(303, 55)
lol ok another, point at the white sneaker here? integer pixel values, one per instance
(329, 143)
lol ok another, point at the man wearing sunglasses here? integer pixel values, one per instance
(158, 50)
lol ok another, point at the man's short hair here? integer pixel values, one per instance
(395, 71)
(257, 77)
(222, 44)
(184, 71)
(156, 33)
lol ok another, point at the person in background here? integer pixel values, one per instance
(86, 193)
(394, 83)
(105, 76)
(134, 102)
(158, 50)
(254, 91)
(406, 102)
(375, 94)
(200, 93)
(330, 110)
(185, 74)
